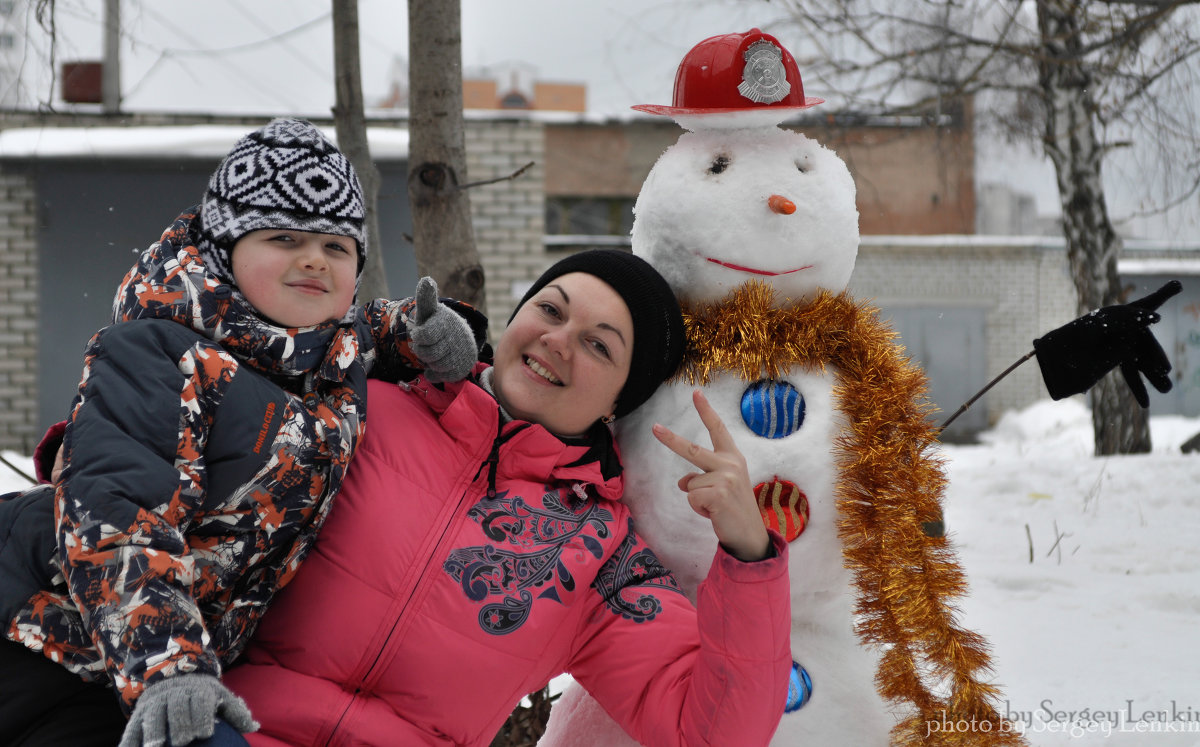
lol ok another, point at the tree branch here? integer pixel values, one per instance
(508, 178)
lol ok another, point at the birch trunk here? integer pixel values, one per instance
(1120, 425)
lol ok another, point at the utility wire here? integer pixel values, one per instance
(257, 44)
(241, 7)
(216, 55)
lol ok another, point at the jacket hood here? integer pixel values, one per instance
(170, 281)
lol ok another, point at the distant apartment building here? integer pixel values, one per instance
(511, 86)
(12, 54)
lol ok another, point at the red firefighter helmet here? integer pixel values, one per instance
(734, 73)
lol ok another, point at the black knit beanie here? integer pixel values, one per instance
(658, 335)
(285, 175)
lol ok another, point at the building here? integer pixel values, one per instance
(487, 94)
(510, 85)
(12, 55)
(82, 193)
(910, 178)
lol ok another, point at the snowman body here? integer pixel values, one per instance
(843, 707)
(720, 208)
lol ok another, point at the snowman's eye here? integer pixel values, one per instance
(719, 164)
(802, 167)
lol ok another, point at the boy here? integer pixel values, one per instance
(201, 456)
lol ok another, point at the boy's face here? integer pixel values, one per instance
(296, 278)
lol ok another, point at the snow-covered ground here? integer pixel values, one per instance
(1095, 639)
(1085, 576)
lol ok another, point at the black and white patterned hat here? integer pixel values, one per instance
(285, 175)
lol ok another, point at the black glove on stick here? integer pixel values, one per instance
(1078, 354)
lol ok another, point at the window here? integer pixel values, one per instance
(589, 216)
(514, 100)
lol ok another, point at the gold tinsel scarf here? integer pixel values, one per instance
(889, 486)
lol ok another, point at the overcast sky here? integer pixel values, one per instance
(275, 57)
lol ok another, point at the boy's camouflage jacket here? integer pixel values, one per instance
(202, 455)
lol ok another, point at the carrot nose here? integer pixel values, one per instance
(781, 205)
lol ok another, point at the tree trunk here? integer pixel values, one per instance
(443, 238)
(1120, 425)
(110, 72)
(351, 123)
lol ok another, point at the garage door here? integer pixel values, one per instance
(1179, 335)
(950, 343)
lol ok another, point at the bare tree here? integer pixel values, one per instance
(1075, 77)
(351, 123)
(443, 239)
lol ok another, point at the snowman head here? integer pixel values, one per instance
(724, 206)
(737, 198)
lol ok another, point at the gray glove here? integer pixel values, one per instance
(440, 338)
(182, 709)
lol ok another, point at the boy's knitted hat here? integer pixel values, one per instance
(658, 334)
(286, 175)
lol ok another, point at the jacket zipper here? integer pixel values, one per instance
(493, 461)
(449, 529)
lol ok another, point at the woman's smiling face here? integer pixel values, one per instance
(564, 358)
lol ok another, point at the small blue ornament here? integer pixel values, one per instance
(799, 689)
(772, 409)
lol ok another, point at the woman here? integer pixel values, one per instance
(479, 549)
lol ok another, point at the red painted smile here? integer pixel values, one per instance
(740, 268)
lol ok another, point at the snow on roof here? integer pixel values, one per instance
(1172, 266)
(987, 241)
(188, 141)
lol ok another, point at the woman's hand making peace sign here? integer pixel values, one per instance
(721, 492)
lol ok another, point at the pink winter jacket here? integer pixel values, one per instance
(465, 564)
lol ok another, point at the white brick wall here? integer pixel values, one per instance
(508, 216)
(18, 311)
(1021, 285)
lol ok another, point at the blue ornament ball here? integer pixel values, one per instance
(772, 409)
(799, 689)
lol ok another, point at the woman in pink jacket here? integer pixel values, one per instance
(479, 548)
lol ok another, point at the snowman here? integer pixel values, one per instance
(755, 228)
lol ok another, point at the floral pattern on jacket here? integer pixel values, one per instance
(530, 564)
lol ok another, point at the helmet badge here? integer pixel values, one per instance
(764, 80)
